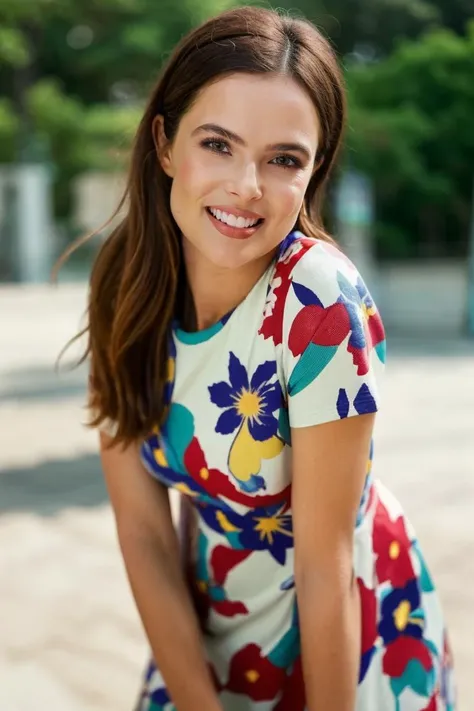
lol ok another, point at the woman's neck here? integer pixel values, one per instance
(217, 290)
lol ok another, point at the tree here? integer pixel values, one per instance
(372, 28)
(74, 78)
(73, 81)
(411, 130)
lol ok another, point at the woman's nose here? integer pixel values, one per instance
(246, 183)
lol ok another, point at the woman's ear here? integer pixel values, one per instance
(162, 145)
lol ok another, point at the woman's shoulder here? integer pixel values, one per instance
(313, 260)
(308, 271)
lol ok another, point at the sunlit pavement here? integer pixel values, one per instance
(70, 637)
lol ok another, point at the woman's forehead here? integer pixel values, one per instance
(271, 107)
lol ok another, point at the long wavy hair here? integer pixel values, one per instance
(138, 281)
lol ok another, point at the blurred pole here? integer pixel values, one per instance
(33, 221)
(31, 177)
(355, 218)
(470, 273)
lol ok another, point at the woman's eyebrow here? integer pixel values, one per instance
(224, 132)
(235, 138)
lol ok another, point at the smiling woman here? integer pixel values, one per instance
(240, 166)
(235, 358)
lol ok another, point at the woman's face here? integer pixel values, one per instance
(240, 163)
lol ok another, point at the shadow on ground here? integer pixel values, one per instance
(43, 383)
(47, 488)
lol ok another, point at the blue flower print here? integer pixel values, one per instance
(400, 613)
(359, 306)
(269, 529)
(249, 407)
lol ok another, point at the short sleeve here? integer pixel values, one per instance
(333, 341)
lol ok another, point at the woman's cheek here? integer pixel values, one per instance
(188, 175)
(290, 199)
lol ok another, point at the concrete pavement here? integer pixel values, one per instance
(70, 637)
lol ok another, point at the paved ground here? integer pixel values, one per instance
(70, 639)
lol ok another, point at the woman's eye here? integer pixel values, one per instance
(287, 161)
(223, 148)
(216, 145)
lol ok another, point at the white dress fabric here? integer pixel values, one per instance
(306, 346)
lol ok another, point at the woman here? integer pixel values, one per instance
(235, 356)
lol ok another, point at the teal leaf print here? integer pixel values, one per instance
(312, 362)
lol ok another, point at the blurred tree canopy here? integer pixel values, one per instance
(410, 129)
(73, 77)
(372, 28)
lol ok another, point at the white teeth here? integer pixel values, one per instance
(232, 220)
(248, 222)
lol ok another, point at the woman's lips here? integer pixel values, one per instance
(233, 232)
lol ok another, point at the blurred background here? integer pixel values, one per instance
(74, 75)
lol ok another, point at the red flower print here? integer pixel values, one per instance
(403, 650)
(229, 608)
(433, 703)
(293, 696)
(321, 326)
(374, 335)
(376, 329)
(272, 325)
(392, 548)
(217, 484)
(254, 675)
(223, 560)
(401, 629)
(368, 604)
(203, 594)
(360, 358)
(207, 584)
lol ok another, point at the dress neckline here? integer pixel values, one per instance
(191, 338)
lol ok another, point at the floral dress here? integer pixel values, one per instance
(306, 346)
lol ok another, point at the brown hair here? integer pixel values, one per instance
(137, 277)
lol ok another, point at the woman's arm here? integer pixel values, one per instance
(150, 551)
(329, 469)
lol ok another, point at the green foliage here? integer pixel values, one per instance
(13, 48)
(74, 76)
(8, 131)
(80, 138)
(368, 25)
(374, 27)
(411, 130)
